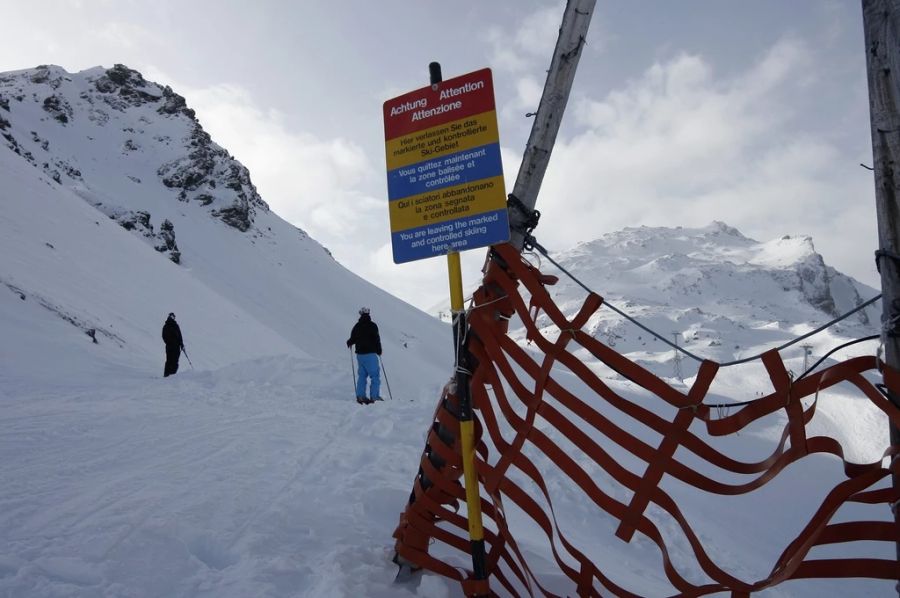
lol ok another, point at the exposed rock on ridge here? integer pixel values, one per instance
(155, 125)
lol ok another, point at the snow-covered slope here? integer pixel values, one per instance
(722, 295)
(118, 208)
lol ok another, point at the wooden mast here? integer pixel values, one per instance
(881, 24)
(572, 32)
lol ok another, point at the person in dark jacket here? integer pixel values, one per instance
(171, 335)
(368, 347)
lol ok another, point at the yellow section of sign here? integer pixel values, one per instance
(455, 136)
(449, 203)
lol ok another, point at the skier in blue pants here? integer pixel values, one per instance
(368, 348)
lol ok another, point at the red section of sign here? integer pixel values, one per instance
(424, 108)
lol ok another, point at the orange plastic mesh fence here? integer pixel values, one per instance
(431, 514)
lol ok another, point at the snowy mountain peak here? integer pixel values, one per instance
(712, 286)
(672, 257)
(103, 131)
(647, 240)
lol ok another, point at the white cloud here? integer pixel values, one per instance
(537, 34)
(678, 146)
(530, 41)
(307, 180)
(528, 95)
(525, 49)
(317, 184)
(128, 36)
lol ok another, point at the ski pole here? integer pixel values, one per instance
(186, 355)
(385, 378)
(352, 369)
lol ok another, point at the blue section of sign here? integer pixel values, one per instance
(453, 169)
(472, 232)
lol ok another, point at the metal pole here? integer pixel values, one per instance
(188, 357)
(466, 424)
(387, 383)
(353, 371)
(572, 32)
(881, 23)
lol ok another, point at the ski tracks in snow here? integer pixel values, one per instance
(206, 484)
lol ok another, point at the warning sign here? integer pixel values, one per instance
(445, 176)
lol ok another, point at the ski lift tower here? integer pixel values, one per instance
(678, 373)
(807, 351)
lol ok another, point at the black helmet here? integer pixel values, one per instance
(363, 311)
(171, 316)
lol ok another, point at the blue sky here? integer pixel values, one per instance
(752, 113)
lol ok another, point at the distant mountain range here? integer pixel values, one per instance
(716, 292)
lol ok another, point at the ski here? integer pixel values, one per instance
(404, 574)
(405, 569)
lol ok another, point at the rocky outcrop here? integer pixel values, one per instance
(138, 222)
(209, 174)
(14, 145)
(50, 75)
(121, 88)
(173, 104)
(57, 107)
(815, 284)
(167, 241)
(56, 168)
(91, 329)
